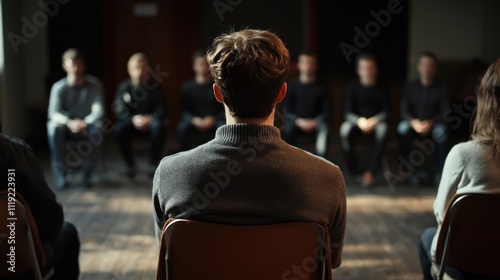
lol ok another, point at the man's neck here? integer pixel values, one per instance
(202, 79)
(307, 79)
(426, 82)
(269, 120)
(75, 81)
(368, 83)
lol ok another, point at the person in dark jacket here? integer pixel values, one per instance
(423, 104)
(140, 108)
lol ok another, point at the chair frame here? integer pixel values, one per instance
(468, 207)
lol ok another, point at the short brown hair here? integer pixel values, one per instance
(72, 54)
(486, 127)
(249, 67)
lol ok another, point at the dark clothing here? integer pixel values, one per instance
(366, 102)
(140, 100)
(248, 175)
(308, 101)
(125, 131)
(424, 103)
(350, 133)
(134, 100)
(60, 245)
(197, 100)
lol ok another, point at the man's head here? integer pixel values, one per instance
(200, 63)
(308, 63)
(137, 68)
(366, 67)
(73, 62)
(249, 68)
(427, 66)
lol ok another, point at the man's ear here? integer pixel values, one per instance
(282, 93)
(217, 94)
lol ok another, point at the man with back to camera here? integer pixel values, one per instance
(423, 104)
(75, 113)
(200, 111)
(140, 108)
(366, 109)
(247, 174)
(308, 105)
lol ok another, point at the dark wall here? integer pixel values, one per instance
(77, 25)
(336, 23)
(283, 17)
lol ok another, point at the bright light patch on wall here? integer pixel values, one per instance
(145, 10)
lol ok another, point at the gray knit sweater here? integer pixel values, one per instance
(248, 175)
(468, 169)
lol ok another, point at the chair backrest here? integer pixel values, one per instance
(202, 250)
(469, 239)
(20, 245)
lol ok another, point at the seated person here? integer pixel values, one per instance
(248, 174)
(366, 109)
(59, 238)
(140, 108)
(75, 113)
(423, 104)
(308, 105)
(200, 111)
(470, 167)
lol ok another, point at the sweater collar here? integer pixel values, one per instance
(256, 133)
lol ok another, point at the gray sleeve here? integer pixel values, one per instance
(97, 108)
(55, 112)
(452, 173)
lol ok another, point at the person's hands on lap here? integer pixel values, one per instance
(76, 126)
(306, 125)
(141, 122)
(203, 124)
(423, 128)
(367, 125)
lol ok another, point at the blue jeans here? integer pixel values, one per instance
(349, 132)
(66, 158)
(439, 135)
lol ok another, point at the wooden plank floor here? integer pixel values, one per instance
(115, 223)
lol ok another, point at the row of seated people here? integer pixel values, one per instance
(366, 105)
(140, 107)
(76, 114)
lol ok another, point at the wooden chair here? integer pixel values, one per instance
(202, 250)
(469, 239)
(28, 254)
